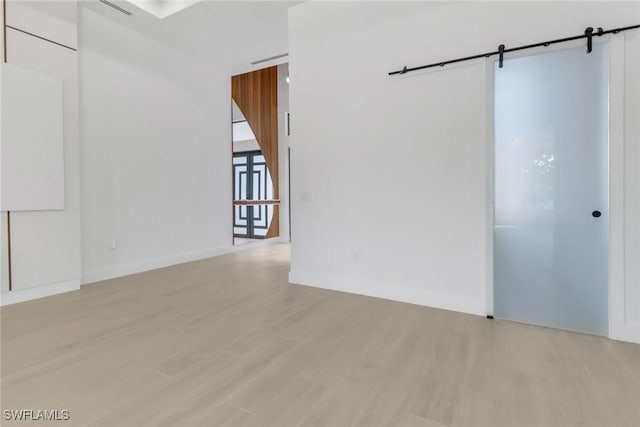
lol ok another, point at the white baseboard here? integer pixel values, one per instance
(406, 294)
(142, 266)
(628, 332)
(153, 264)
(20, 295)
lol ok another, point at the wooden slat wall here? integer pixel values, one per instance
(256, 94)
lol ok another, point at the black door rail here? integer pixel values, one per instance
(589, 33)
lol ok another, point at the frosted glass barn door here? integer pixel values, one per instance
(551, 189)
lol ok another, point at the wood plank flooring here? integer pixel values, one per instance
(228, 342)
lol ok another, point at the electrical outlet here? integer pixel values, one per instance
(113, 245)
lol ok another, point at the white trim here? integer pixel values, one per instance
(489, 186)
(402, 293)
(619, 328)
(628, 332)
(20, 295)
(153, 264)
(616, 185)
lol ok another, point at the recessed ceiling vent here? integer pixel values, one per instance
(271, 58)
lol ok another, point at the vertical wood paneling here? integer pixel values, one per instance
(256, 94)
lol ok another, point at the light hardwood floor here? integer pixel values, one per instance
(227, 341)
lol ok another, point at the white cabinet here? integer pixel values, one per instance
(45, 245)
(31, 142)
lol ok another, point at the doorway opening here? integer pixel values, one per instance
(260, 147)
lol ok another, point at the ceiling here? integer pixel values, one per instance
(163, 8)
(229, 34)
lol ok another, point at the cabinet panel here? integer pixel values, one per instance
(45, 245)
(31, 146)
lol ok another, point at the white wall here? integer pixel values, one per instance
(156, 129)
(246, 145)
(156, 156)
(242, 135)
(391, 184)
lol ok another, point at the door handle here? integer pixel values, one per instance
(596, 214)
